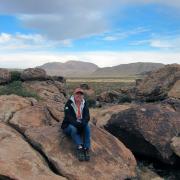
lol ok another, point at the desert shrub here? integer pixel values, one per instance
(91, 102)
(124, 98)
(16, 87)
(15, 76)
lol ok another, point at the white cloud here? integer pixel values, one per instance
(4, 37)
(103, 59)
(71, 19)
(53, 6)
(118, 35)
(21, 42)
(110, 38)
(157, 43)
(116, 58)
(66, 26)
(61, 19)
(171, 3)
(57, 6)
(166, 43)
(162, 42)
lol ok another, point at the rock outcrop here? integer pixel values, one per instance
(18, 160)
(34, 147)
(109, 158)
(108, 97)
(100, 117)
(52, 94)
(5, 76)
(49, 149)
(33, 74)
(147, 129)
(114, 97)
(160, 84)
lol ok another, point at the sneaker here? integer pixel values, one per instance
(87, 154)
(80, 154)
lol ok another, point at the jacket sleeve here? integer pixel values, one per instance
(86, 115)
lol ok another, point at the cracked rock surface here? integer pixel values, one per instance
(18, 160)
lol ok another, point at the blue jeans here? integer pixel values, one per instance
(79, 139)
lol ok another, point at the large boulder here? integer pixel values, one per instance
(33, 74)
(47, 90)
(147, 129)
(18, 160)
(114, 97)
(108, 96)
(101, 116)
(110, 159)
(38, 127)
(5, 76)
(160, 84)
(52, 94)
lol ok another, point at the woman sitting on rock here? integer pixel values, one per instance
(75, 123)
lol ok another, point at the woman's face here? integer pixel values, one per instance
(78, 97)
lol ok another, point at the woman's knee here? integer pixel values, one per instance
(70, 130)
(73, 130)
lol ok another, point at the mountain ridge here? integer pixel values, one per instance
(127, 69)
(87, 69)
(69, 68)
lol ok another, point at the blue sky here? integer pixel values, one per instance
(100, 31)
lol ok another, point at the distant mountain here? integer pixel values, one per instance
(70, 68)
(86, 69)
(131, 69)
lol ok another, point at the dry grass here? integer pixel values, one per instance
(101, 84)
